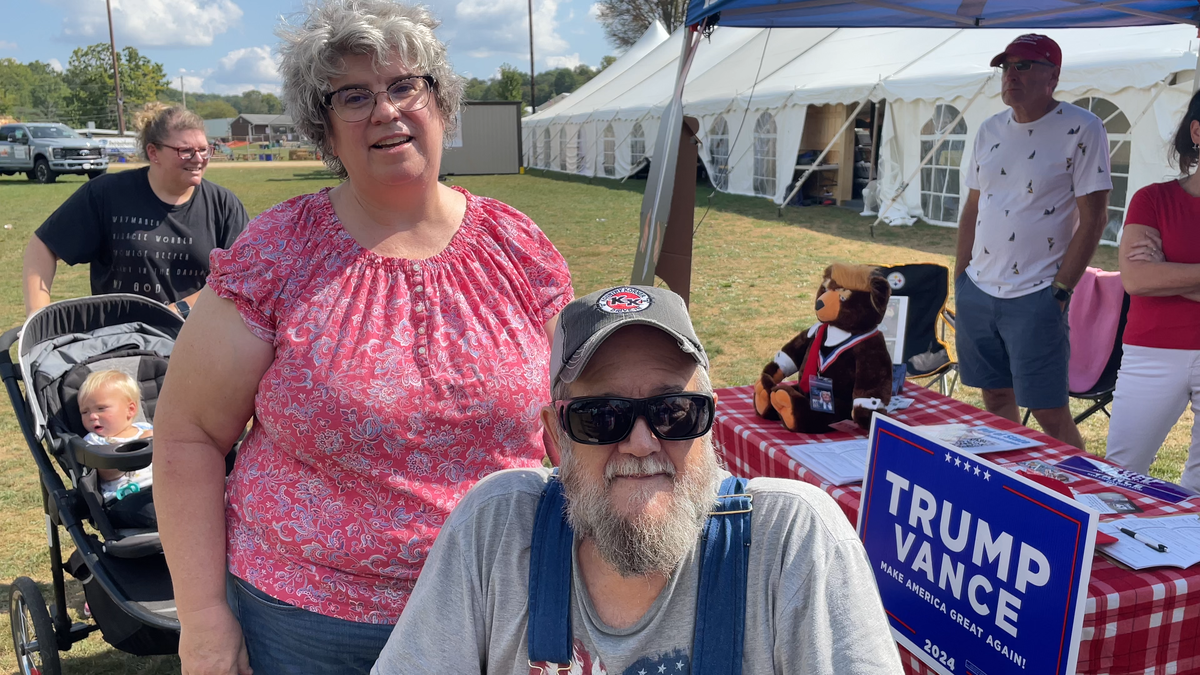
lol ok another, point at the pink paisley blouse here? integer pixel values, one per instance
(397, 384)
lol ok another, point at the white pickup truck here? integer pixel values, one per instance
(43, 150)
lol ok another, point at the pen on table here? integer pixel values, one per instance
(1161, 548)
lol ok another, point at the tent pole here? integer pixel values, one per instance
(656, 202)
(1196, 76)
(929, 155)
(832, 142)
(876, 117)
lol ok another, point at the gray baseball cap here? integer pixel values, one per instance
(587, 322)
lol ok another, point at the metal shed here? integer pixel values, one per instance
(488, 140)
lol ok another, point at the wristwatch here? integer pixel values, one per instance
(1061, 293)
(183, 308)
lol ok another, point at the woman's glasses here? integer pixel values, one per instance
(187, 153)
(1022, 66)
(603, 420)
(354, 104)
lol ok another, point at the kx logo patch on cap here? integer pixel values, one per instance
(623, 300)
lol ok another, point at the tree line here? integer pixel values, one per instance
(83, 91)
(512, 83)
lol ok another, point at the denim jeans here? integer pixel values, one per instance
(283, 639)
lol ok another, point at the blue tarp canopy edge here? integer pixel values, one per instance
(1026, 14)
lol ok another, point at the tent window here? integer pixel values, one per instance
(546, 156)
(580, 152)
(764, 155)
(1119, 141)
(610, 152)
(637, 144)
(940, 190)
(718, 153)
(562, 150)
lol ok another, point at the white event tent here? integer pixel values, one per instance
(751, 88)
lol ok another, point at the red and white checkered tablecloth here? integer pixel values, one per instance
(1144, 622)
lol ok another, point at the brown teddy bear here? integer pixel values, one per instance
(845, 370)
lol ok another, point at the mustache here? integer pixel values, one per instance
(629, 465)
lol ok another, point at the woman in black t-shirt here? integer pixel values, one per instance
(145, 231)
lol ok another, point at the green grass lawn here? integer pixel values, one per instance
(753, 280)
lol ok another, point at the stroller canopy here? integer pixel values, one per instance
(59, 342)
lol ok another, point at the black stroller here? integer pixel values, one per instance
(122, 569)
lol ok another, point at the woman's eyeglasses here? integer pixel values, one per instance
(603, 420)
(355, 104)
(187, 153)
(1022, 66)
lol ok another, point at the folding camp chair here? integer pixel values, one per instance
(927, 287)
(1101, 393)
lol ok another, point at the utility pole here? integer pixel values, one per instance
(183, 91)
(112, 42)
(532, 84)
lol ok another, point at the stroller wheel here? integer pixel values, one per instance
(34, 642)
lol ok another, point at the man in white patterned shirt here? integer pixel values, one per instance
(1039, 183)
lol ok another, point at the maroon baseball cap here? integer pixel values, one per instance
(1033, 47)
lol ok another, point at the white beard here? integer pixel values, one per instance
(642, 545)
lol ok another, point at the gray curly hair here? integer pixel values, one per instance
(312, 53)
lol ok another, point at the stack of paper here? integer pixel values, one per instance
(1180, 535)
(976, 440)
(840, 462)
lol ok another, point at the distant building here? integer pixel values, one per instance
(218, 129)
(251, 127)
(553, 101)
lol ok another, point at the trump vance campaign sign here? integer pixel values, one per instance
(981, 572)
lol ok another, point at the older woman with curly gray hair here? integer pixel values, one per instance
(390, 338)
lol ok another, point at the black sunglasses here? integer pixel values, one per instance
(1021, 66)
(604, 420)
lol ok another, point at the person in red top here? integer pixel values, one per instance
(1160, 269)
(390, 338)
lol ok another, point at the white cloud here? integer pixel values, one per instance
(56, 65)
(7, 45)
(243, 69)
(594, 11)
(501, 28)
(565, 61)
(193, 80)
(151, 23)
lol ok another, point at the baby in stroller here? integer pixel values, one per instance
(109, 401)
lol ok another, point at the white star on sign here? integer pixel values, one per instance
(662, 669)
(976, 471)
(642, 671)
(987, 475)
(967, 467)
(679, 665)
(949, 457)
(957, 462)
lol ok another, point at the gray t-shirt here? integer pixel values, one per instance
(812, 605)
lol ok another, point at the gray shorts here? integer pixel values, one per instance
(1021, 344)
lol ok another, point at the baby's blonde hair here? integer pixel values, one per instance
(101, 379)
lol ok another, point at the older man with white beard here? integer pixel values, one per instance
(630, 427)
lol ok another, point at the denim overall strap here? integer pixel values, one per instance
(549, 623)
(721, 602)
(720, 605)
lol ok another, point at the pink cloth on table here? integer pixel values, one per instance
(1094, 316)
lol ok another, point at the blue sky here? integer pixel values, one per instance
(227, 46)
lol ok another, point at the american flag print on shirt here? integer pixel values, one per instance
(676, 662)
